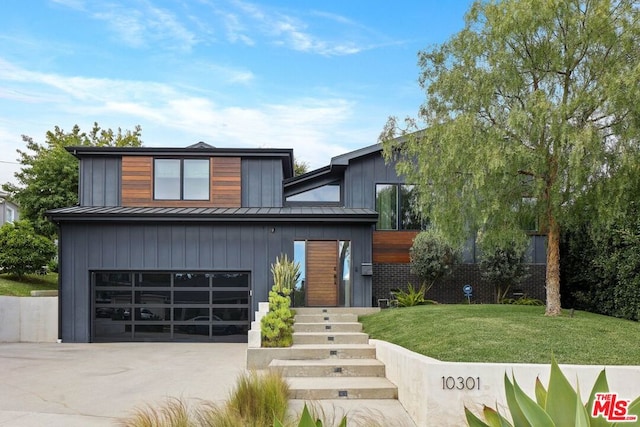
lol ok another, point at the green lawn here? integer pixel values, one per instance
(507, 333)
(9, 285)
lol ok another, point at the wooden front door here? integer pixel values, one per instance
(322, 274)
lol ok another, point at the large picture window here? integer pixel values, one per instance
(397, 207)
(181, 179)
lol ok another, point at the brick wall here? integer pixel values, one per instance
(449, 289)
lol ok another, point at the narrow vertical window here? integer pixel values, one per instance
(196, 179)
(167, 179)
(387, 206)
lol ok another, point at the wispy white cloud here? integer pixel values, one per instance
(177, 116)
(291, 30)
(139, 24)
(73, 4)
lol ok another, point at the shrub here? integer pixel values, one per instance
(277, 325)
(432, 257)
(22, 251)
(557, 405)
(502, 263)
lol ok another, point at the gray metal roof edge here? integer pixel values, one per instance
(343, 159)
(159, 151)
(292, 218)
(209, 214)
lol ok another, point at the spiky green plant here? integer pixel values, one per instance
(412, 296)
(306, 420)
(559, 405)
(286, 274)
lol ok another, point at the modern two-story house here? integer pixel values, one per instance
(176, 244)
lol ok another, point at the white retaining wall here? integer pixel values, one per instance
(28, 319)
(434, 393)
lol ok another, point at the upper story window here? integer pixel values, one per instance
(11, 215)
(181, 179)
(397, 207)
(329, 193)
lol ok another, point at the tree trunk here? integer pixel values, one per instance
(553, 269)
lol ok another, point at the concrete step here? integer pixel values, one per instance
(329, 368)
(317, 388)
(358, 311)
(328, 327)
(331, 351)
(326, 318)
(330, 338)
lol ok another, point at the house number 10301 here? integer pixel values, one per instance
(461, 383)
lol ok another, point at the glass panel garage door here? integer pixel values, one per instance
(177, 306)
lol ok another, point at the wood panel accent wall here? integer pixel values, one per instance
(392, 247)
(225, 186)
(226, 181)
(321, 280)
(137, 181)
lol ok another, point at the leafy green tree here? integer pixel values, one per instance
(432, 257)
(22, 251)
(502, 263)
(49, 175)
(300, 167)
(533, 102)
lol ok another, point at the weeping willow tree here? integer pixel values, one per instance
(529, 110)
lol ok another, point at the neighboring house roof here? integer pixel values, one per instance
(285, 214)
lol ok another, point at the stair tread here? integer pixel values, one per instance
(330, 333)
(332, 346)
(327, 362)
(326, 322)
(334, 383)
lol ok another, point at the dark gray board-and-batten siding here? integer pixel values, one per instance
(97, 246)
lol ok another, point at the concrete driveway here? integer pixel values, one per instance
(97, 384)
(80, 385)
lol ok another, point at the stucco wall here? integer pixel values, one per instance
(430, 398)
(28, 319)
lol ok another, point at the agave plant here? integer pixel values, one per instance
(558, 405)
(306, 420)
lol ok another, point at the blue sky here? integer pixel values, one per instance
(320, 77)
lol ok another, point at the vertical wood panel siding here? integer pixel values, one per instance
(321, 281)
(392, 247)
(137, 184)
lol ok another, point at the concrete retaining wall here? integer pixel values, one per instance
(435, 392)
(28, 319)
